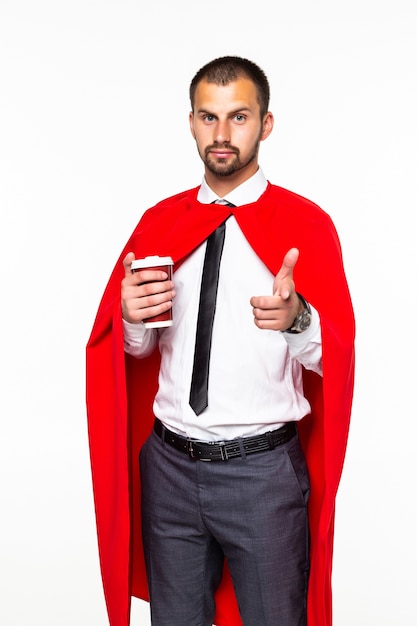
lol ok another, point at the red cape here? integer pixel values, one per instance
(120, 389)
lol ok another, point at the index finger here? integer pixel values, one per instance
(289, 261)
(127, 262)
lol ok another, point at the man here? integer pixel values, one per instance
(225, 490)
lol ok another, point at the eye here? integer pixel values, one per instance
(208, 118)
(240, 118)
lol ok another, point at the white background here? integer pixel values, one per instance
(93, 130)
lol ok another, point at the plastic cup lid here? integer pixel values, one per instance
(151, 261)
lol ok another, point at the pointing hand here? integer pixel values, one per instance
(277, 312)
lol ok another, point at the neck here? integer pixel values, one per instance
(222, 185)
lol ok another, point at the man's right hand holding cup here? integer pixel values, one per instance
(146, 292)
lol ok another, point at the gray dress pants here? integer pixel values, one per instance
(251, 510)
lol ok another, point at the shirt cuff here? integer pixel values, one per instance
(133, 333)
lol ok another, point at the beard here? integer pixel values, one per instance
(228, 167)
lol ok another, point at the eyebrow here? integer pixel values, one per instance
(235, 112)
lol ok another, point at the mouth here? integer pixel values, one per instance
(222, 153)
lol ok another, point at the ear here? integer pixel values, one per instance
(191, 120)
(267, 125)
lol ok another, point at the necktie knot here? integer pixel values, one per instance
(223, 202)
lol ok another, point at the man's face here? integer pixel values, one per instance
(227, 127)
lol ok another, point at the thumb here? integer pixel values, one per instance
(284, 280)
(127, 262)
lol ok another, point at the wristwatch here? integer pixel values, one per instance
(303, 319)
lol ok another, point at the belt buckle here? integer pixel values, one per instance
(190, 450)
(223, 452)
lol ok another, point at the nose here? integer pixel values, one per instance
(222, 132)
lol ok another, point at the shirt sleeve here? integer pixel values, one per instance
(138, 340)
(306, 346)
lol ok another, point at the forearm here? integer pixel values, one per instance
(306, 346)
(138, 340)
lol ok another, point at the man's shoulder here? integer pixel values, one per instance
(189, 194)
(294, 208)
(171, 206)
(284, 195)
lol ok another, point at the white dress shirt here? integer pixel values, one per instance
(255, 380)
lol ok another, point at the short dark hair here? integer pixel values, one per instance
(225, 70)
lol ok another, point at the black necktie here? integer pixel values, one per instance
(207, 307)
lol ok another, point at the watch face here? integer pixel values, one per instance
(302, 322)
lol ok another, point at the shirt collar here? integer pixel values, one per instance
(246, 193)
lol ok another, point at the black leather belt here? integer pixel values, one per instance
(203, 451)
